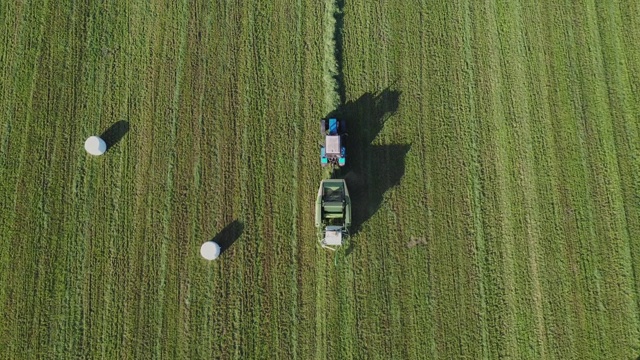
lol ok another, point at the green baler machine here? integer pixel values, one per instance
(333, 213)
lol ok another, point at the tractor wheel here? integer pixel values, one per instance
(323, 128)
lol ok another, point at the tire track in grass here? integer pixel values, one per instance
(254, 314)
(297, 89)
(548, 207)
(189, 304)
(630, 53)
(455, 273)
(18, 82)
(587, 274)
(29, 107)
(500, 282)
(475, 178)
(159, 270)
(117, 190)
(100, 254)
(234, 163)
(144, 74)
(138, 75)
(241, 327)
(618, 133)
(214, 328)
(77, 230)
(11, 55)
(58, 176)
(160, 314)
(22, 250)
(321, 306)
(525, 181)
(187, 185)
(602, 181)
(278, 166)
(99, 298)
(198, 272)
(389, 272)
(410, 212)
(425, 141)
(33, 219)
(95, 277)
(312, 93)
(151, 204)
(565, 296)
(256, 120)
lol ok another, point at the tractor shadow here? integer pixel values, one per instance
(366, 116)
(228, 236)
(371, 170)
(115, 133)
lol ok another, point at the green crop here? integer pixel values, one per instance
(503, 135)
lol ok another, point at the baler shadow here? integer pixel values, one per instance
(115, 133)
(384, 168)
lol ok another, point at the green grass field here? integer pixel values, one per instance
(504, 133)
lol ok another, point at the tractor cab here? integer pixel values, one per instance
(333, 213)
(333, 151)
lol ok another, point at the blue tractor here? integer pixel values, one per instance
(333, 152)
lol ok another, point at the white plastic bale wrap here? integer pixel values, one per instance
(210, 250)
(95, 146)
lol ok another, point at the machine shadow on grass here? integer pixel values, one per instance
(371, 169)
(228, 235)
(115, 133)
